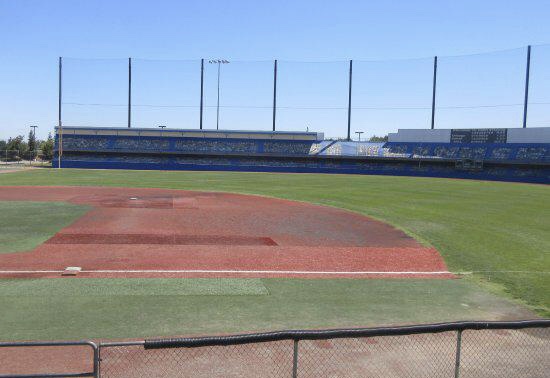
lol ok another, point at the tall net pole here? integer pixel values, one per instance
(202, 93)
(59, 123)
(274, 92)
(434, 87)
(349, 98)
(129, 92)
(526, 100)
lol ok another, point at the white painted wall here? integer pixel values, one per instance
(516, 135)
(529, 135)
(421, 135)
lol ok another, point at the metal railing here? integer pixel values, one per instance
(462, 349)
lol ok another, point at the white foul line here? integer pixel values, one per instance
(300, 272)
(271, 272)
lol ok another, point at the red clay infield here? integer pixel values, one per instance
(132, 232)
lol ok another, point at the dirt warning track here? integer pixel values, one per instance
(132, 232)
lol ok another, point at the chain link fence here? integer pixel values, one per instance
(14, 158)
(474, 349)
(466, 349)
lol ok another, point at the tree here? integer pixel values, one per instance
(375, 138)
(47, 148)
(31, 144)
(17, 147)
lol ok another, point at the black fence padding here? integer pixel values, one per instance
(194, 342)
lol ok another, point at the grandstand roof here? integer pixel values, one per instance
(193, 133)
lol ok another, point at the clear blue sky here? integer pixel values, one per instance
(314, 95)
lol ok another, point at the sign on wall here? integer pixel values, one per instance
(479, 135)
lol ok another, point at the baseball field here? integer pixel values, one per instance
(188, 253)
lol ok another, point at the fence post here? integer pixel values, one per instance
(349, 98)
(97, 361)
(202, 92)
(433, 92)
(295, 360)
(457, 357)
(525, 102)
(274, 92)
(129, 92)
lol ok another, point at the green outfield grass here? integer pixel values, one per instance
(24, 225)
(500, 231)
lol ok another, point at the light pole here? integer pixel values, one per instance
(34, 136)
(162, 127)
(359, 134)
(219, 62)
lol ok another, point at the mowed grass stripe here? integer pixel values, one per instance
(291, 304)
(130, 287)
(26, 224)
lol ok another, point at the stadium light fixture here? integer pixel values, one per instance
(162, 126)
(219, 62)
(359, 134)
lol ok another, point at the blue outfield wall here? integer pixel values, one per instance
(494, 172)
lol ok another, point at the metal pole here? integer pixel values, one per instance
(526, 86)
(33, 152)
(218, 106)
(97, 361)
(433, 92)
(202, 91)
(129, 92)
(295, 360)
(349, 98)
(59, 123)
(274, 92)
(457, 357)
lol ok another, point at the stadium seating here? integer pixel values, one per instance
(479, 151)
(526, 162)
(184, 145)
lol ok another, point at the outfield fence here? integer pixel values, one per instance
(463, 349)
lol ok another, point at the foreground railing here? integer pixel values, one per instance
(464, 349)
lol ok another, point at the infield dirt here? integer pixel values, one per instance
(134, 232)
